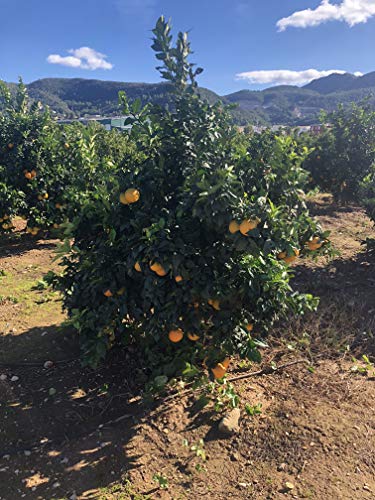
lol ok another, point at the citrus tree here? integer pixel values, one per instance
(343, 154)
(189, 257)
(50, 170)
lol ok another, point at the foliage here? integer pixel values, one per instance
(156, 265)
(367, 193)
(49, 171)
(344, 153)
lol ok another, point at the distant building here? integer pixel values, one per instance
(109, 123)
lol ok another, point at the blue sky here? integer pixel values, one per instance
(229, 38)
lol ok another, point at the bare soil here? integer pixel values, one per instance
(70, 432)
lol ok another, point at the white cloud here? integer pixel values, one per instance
(350, 11)
(284, 76)
(83, 58)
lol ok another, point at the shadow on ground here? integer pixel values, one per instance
(57, 420)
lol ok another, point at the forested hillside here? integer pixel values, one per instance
(286, 104)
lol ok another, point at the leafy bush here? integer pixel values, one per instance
(49, 171)
(188, 259)
(367, 193)
(344, 152)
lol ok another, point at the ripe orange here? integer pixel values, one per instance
(215, 304)
(10, 145)
(178, 278)
(33, 174)
(248, 225)
(155, 266)
(108, 293)
(46, 196)
(123, 199)
(58, 205)
(132, 195)
(314, 243)
(193, 337)
(176, 335)
(161, 272)
(28, 175)
(219, 371)
(249, 327)
(226, 363)
(234, 227)
(137, 267)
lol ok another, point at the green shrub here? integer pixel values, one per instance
(344, 152)
(159, 262)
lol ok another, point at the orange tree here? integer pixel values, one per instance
(48, 170)
(367, 193)
(343, 154)
(189, 258)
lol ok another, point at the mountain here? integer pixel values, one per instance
(284, 104)
(341, 82)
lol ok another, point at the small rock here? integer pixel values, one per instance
(52, 391)
(14, 378)
(235, 457)
(282, 467)
(64, 461)
(48, 364)
(73, 497)
(243, 485)
(366, 487)
(56, 485)
(289, 486)
(27, 453)
(229, 424)
(6, 457)
(3, 376)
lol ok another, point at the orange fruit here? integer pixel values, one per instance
(10, 145)
(234, 227)
(314, 243)
(123, 199)
(215, 304)
(58, 205)
(45, 196)
(219, 371)
(176, 335)
(193, 337)
(226, 363)
(28, 175)
(137, 267)
(249, 327)
(33, 174)
(108, 293)
(161, 272)
(178, 279)
(248, 225)
(132, 195)
(155, 266)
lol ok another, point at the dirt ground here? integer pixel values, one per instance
(68, 432)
